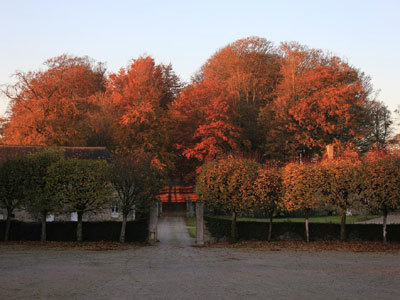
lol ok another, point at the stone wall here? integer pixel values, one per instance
(107, 214)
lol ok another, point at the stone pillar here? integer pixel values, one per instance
(153, 223)
(199, 223)
(160, 208)
(190, 209)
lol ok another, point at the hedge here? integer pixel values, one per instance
(220, 229)
(136, 231)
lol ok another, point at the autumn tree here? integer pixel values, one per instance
(137, 183)
(51, 106)
(225, 185)
(302, 189)
(381, 181)
(140, 94)
(320, 98)
(203, 122)
(341, 186)
(379, 127)
(217, 113)
(13, 184)
(80, 185)
(102, 122)
(268, 191)
(2, 123)
(249, 69)
(40, 200)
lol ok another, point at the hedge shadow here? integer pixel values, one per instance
(136, 231)
(220, 229)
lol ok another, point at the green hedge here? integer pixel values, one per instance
(220, 229)
(136, 231)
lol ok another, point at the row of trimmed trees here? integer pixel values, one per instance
(243, 187)
(45, 182)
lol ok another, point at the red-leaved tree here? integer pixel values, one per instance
(51, 107)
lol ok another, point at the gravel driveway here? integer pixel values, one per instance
(175, 270)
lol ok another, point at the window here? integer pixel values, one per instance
(50, 218)
(114, 212)
(74, 217)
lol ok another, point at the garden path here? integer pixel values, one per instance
(173, 232)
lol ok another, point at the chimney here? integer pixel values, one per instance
(330, 152)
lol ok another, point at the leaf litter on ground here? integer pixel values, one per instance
(90, 246)
(315, 246)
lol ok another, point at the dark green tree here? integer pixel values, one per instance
(12, 187)
(39, 199)
(137, 182)
(81, 186)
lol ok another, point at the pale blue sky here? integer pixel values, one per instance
(186, 33)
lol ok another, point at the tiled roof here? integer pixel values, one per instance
(177, 193)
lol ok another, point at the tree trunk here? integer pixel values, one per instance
(43, 221)
(123, 228)
(343, 226)
(306, 225)
(233, 227)
(384, 225)
(79, 227)
(8, 225)
(270, 228)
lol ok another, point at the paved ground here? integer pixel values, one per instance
(175, 270)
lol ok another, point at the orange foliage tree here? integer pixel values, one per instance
(218, 111)
(319, 99)
(203, 121)
(51, 107)
(103, 127)
(268, 191)
(140, 95)
(249, 69)
(225, 185)
(381, 180)
(302, 191)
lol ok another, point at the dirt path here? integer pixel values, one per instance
(174, 270)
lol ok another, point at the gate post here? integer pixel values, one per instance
(199, 223)
(153, 223)
(188, 208)
(160, 208)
